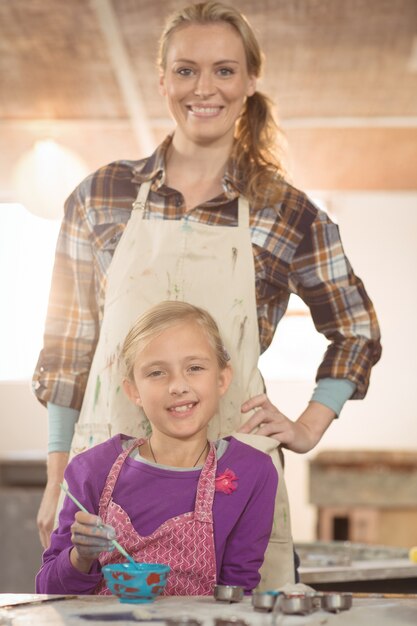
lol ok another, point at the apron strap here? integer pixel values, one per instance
(243, 212)
(114, 475)
(205, 487)
(205, 490)
(140, 202)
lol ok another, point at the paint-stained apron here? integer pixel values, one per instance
(184, 542)
(208, 266)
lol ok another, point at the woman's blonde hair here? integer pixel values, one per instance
(258, 138)
(161, 317)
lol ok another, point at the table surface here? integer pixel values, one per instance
(103, 610)
(360, 570)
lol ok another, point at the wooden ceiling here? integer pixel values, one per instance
(339, 68)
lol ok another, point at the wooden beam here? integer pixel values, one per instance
(125, 75)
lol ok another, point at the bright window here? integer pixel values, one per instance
(297, 348)
(27, 248)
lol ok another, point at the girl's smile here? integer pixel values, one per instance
(182, 408)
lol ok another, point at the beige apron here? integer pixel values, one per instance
(208, 266)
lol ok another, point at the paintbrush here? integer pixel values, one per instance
(82, 508)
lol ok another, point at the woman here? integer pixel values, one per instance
(214, 223)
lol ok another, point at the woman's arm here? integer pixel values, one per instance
(56, 464)
(71, 327)
(95, 217)
(320, 273)
(63, 356)
(70, 336)
(61, 422)
(299, 436)
(302, 435)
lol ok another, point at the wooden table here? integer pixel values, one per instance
(104, 610)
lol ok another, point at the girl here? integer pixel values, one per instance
(204, 508)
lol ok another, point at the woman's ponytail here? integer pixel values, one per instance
(258, 146)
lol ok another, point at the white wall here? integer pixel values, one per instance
(23, 423)
(379, 232)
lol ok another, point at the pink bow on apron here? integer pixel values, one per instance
(184, 542)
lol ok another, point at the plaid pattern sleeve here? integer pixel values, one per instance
(95, 216)
(322, 276)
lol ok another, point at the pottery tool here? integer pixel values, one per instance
(82, 508)
(228, 593)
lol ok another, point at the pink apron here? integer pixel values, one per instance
(185, 542)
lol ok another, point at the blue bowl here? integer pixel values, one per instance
(138, 583)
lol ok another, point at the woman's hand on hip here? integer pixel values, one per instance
(267, 420)
(299, 436)
(90, 537)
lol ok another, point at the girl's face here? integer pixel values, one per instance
(178, 382)
(206, 82)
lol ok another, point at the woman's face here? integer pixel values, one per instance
(206, 82)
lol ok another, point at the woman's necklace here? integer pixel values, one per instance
(199, 456)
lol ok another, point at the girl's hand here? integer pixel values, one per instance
(300, 436)
(90, 537)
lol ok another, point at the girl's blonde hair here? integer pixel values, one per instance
(161, 317)
(258, 139)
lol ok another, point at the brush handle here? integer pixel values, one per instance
(73, 498)
(82, 508)
(123, 551)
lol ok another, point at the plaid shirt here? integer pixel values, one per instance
(296, 249)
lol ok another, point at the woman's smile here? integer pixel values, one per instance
(204, 111)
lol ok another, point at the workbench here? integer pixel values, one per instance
(104, 610)
(346, 566)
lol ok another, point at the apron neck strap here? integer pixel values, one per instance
(107, 492)
(142, 196)
(243, 212)
(206, 486)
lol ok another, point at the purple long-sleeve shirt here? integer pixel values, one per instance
(150, 495)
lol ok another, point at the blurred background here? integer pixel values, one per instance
(79, 88)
